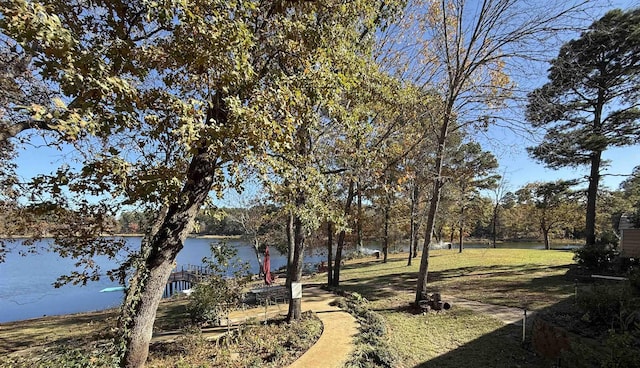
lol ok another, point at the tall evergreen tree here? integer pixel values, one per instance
(591, 101)
(472, 169)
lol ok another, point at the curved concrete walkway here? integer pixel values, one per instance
(335, 345)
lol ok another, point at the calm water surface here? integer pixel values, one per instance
(26, 289)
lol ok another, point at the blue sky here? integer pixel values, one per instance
(509, 148)
(518, 168)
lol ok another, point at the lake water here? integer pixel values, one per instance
(26, 289)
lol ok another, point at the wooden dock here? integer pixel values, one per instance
(184, 277)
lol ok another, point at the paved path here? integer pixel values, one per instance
(508, 315)
(339, 330)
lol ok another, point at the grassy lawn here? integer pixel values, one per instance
(523, 278)
(74, 329)
(534, 279)
(458, 338)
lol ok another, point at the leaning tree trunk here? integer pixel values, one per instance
(294, 272)
(359, 245)
(341, 237)
(421, 289)
(412, 232)
(413, 237)
(329, 253)
(461, 235)
(159, 253)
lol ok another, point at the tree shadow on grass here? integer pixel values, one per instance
(495, 279)
(390, 261)
(56, 330)
(501, 285)
(77, 329)
(504, 347)
(500, 348)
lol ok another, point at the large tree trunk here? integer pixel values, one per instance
(158, 255)
(592, 194)
(413, 236)
(461, 230)
(342, 236)
(385, 246)
(297, 238)
(294, 273)
(336, 262)
(421, 289)
(594, 175)
(359, 244)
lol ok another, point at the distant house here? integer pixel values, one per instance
(629, 238)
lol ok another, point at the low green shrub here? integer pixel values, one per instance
(372, 350)
(634, 279)
(596, 258)
(217, 294)
(617, 351)
(610, 306)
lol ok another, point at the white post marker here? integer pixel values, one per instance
(296, 290)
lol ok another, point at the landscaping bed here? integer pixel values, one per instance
(86, 340)
(598, 327)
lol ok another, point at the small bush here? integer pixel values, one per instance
(598, 258)
(618, 350)
(276, 344)
(372, 350)
(212, 298)
(610, 306)
(634, 280)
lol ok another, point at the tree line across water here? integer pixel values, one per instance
(538, 211)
